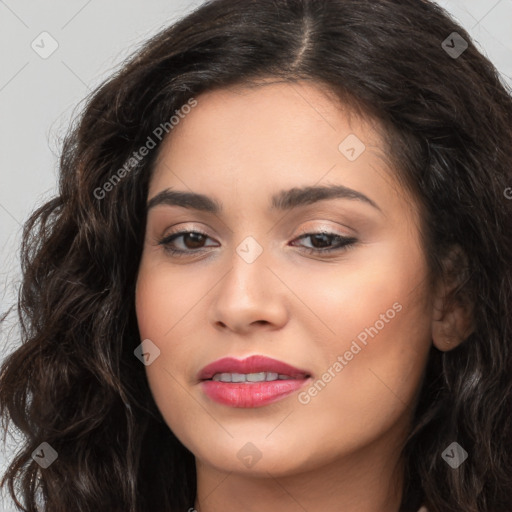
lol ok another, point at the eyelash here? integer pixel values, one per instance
(344, 243)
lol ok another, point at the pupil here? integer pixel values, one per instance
(324, 237)
(197, 236)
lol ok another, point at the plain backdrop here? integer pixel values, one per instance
(39, 95)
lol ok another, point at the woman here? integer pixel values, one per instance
(277, 275)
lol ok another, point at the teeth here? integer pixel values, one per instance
(249, 377)
(255, 377)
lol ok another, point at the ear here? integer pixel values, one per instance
(452, 316)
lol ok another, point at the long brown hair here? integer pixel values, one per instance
(75, 383)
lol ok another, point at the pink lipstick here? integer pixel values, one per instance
(252, 382)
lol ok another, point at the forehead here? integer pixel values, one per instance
(276, 114)
(268, 138)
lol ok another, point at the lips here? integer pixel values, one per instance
(237, 383)
(252, 364)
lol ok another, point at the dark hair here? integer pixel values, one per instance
(75, 383)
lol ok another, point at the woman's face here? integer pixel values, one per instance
(356, 321)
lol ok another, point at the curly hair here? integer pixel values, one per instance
(74, 381)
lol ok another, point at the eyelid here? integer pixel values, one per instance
(349, 233)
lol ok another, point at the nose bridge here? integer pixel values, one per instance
(249, 292)
(249, 273)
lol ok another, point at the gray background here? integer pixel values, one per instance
(38, 96)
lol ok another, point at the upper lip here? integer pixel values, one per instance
(252, 364)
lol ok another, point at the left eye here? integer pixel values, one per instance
(193, 241)
(325, 238)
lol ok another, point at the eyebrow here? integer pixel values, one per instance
(283, 200)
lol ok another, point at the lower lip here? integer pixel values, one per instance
(251, 394)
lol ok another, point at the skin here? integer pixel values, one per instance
(240, 146)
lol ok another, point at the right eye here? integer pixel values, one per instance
(191, 242)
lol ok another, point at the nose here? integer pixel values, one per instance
(250, 296)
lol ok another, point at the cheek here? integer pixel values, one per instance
(375, 354)
(151, 306)
(164, 303)
(165, 299)
(379, 298)
(155, 305)
(383, 311)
